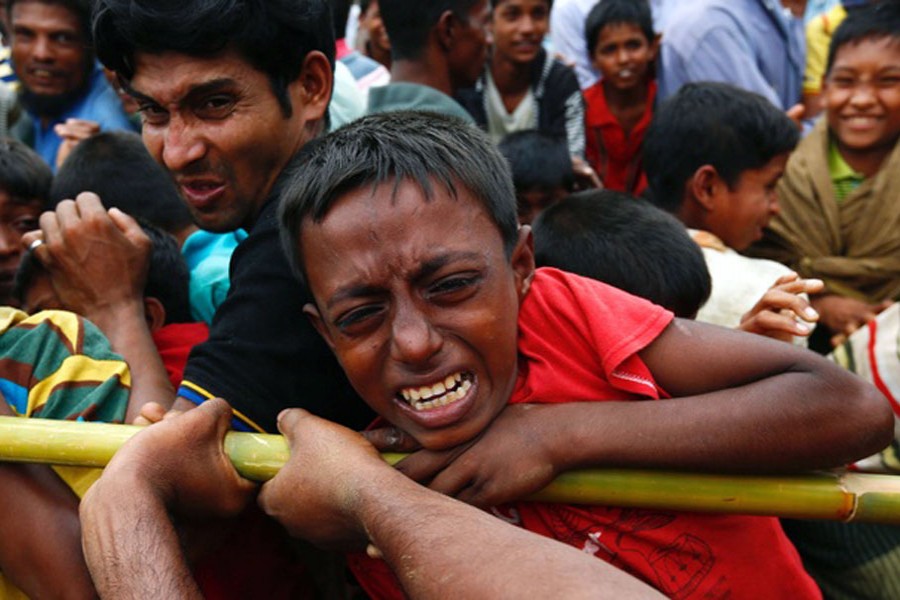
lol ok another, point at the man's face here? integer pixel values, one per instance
(48, 49)
(519, 27)
(215, 125)
(744, 210)
(17, 216)
(469, 53)
(862, 95)
(419, 303)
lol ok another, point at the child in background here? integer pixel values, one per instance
(541, 169)
(523, 87)
(840, 218)
(24, 184)
(623, 47)
(633, 246)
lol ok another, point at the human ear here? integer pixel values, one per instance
(522, 261)
(315, 317)
(704, 186)
(654, 46)
(155, 314)
(446, 29)
(310, 92)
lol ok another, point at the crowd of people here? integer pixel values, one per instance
(509, 237)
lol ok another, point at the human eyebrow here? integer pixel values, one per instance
(201, 89)
(433, 265)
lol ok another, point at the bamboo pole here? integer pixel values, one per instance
(832, 496)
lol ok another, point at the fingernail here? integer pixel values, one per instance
(810, 313)
(803, 327)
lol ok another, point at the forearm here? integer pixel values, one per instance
(431, 543)
(125, 326)
(132, 548)
(748, 428)
(40, 549)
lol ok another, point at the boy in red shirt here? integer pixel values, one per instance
(426, 291)
(623, 47)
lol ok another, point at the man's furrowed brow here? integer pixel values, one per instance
(435, 264)
(352, 291)
(201, 89)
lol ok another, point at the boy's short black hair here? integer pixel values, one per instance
(408, 22)
(627, 243)
(272, 35)
(711, 124)
(615, 12)
(168, 278)
(425, 148)
(875, 21)
(117, 167)
(23, 173)
(538, 160)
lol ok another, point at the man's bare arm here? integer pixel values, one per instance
(40, 549)
(336, 489)
(98, 264)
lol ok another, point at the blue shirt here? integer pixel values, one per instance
(753, 44)
(100, 103)
(208, 257)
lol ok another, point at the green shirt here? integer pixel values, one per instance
(844, 179)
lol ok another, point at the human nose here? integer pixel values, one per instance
(863, 95)
(181, 145)
(414, 341)
(42, 49)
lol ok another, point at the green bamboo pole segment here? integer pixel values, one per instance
(832, 496)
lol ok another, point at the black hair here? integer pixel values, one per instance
(23, 173)
(873, 21)
(495, 3)
(616, 12)
(408, 22)
(340, 12)
(425, 148)
(711, 124)
(627, 243)
(538, 159)
(116, 166)
(80, 8)
(168, 278)
(272, 35)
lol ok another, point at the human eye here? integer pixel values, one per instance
(889, 80)
(152, 113)
(217, 106)
(23, 35)
(65, 38)
(454, 287)
(843, 81)
(25, 223)
(359, 319)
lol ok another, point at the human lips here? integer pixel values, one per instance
(43, 76)
(201, 193)
(855, 121)
(443, 402)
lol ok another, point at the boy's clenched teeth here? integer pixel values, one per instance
(442, 393)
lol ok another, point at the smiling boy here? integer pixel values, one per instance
(840, 220)
(425, 289)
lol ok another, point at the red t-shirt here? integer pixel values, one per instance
(174, 342)
(614, 156)
(578, 342)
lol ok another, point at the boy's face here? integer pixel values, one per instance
(623, 55)
(862, 94)
(519, 27)
(744, 210)
(533, 200)
(420, 304)
(371, 22)
(17, 216)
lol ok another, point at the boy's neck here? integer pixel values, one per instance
(868, 161)
(422, 72)
(627, 106)
(510, 77)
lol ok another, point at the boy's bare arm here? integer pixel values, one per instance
(98, 264)
(742, 403)
(40, 549)
(336, 488)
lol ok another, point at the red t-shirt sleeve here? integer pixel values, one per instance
(579, 339)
